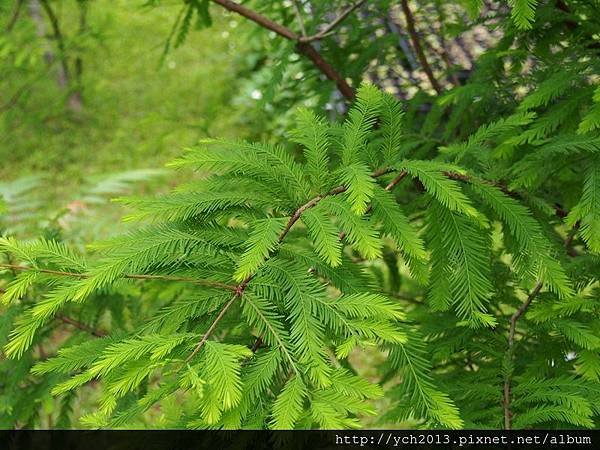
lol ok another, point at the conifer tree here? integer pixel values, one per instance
(458, 249)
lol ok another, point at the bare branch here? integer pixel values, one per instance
(326, 31)
(258, 18)
(81, 326)
(414, 37)
(511, 341)
(303, 47)
(15, 16)
(60, 42)
(392, 184)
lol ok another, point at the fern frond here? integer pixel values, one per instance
(591, 121)
(467, 248)
(476, 142)
(263, 315)
(301, 296)
(179, 207)
(264, 162)
(18, 287)
(222, 362)
(588, 365)
(535, 252)
(150, 249)
(578, 333)
(154, 346)
(73, 358)
(354, 386)
(26, 327)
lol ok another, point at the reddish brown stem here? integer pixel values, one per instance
(327, 29)
(15, 16)
(416, 42)
(327, 69)
(511, 341)
(303, 47)
(80, 326)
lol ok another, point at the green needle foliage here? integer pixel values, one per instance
(429, 263)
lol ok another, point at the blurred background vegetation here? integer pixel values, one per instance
(139, 106)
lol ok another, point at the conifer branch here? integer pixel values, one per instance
(213, 326)
(60, 41)
(326, 31)
(81, 326)
(304, 48)
(513, 331)
(239, 290)
(15, 15)
(414, 37)
(392, 184)
(261, 20)
(511, 341)
(128, 276)
(570, 237)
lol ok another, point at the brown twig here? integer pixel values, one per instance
(304, 48)
(58, 36)
(327, 69)
(511, 341)
(299, 18)
(569, 241)
(256, 344)
(128, 276)
(392, 184)
(334, 23)
(258, 18)
(212, 327)
(414, 37)
(80, 326)
(15, 15)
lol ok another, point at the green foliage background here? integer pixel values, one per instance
(423, 255)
